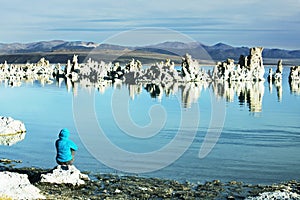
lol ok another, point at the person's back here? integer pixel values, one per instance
(65, 148)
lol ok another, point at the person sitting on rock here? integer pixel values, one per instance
(65, 148)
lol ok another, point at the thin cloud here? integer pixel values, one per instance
(203, 20)
(87, 29)
(104, 20)
(184, 29)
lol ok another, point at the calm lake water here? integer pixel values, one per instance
(259, 142)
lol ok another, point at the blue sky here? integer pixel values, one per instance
(269, 23)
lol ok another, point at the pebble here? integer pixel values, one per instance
(118, 191)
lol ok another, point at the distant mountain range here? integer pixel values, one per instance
(217, 52)
(223, 51)
(46, 46)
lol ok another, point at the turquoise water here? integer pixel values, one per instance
(259, 141)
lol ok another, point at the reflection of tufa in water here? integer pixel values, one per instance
(276, 80)
(11, 131)
(11, 139)
(247, 92)
(190, 92)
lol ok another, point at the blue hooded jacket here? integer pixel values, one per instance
(64, 145)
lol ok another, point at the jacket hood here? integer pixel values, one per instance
(64, 133)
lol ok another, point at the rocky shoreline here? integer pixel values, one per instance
(112, 186)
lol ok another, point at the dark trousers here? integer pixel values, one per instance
(70, 162)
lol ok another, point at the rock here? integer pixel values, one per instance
(224, 70)
(93, 72)
(9, 126)
(68, 68)
(232, 182)
(294, 80)
(279, 67)
(42, 67)
(189, 68)
(8, 161)
(216, 182)
(255, 58)
(118, 191)
(43, 62)
(277, 76)
(162, 72)
(294, 73)
(243, 60)
(62, 174)
(17, 186)
(275, 195)
(133, 66)
(71, 70)
(75, 65)
(249, 68)
(20, 72)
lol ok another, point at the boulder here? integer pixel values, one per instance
(65, 174)
(17, 186)
(9, 126)
(275, 195)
